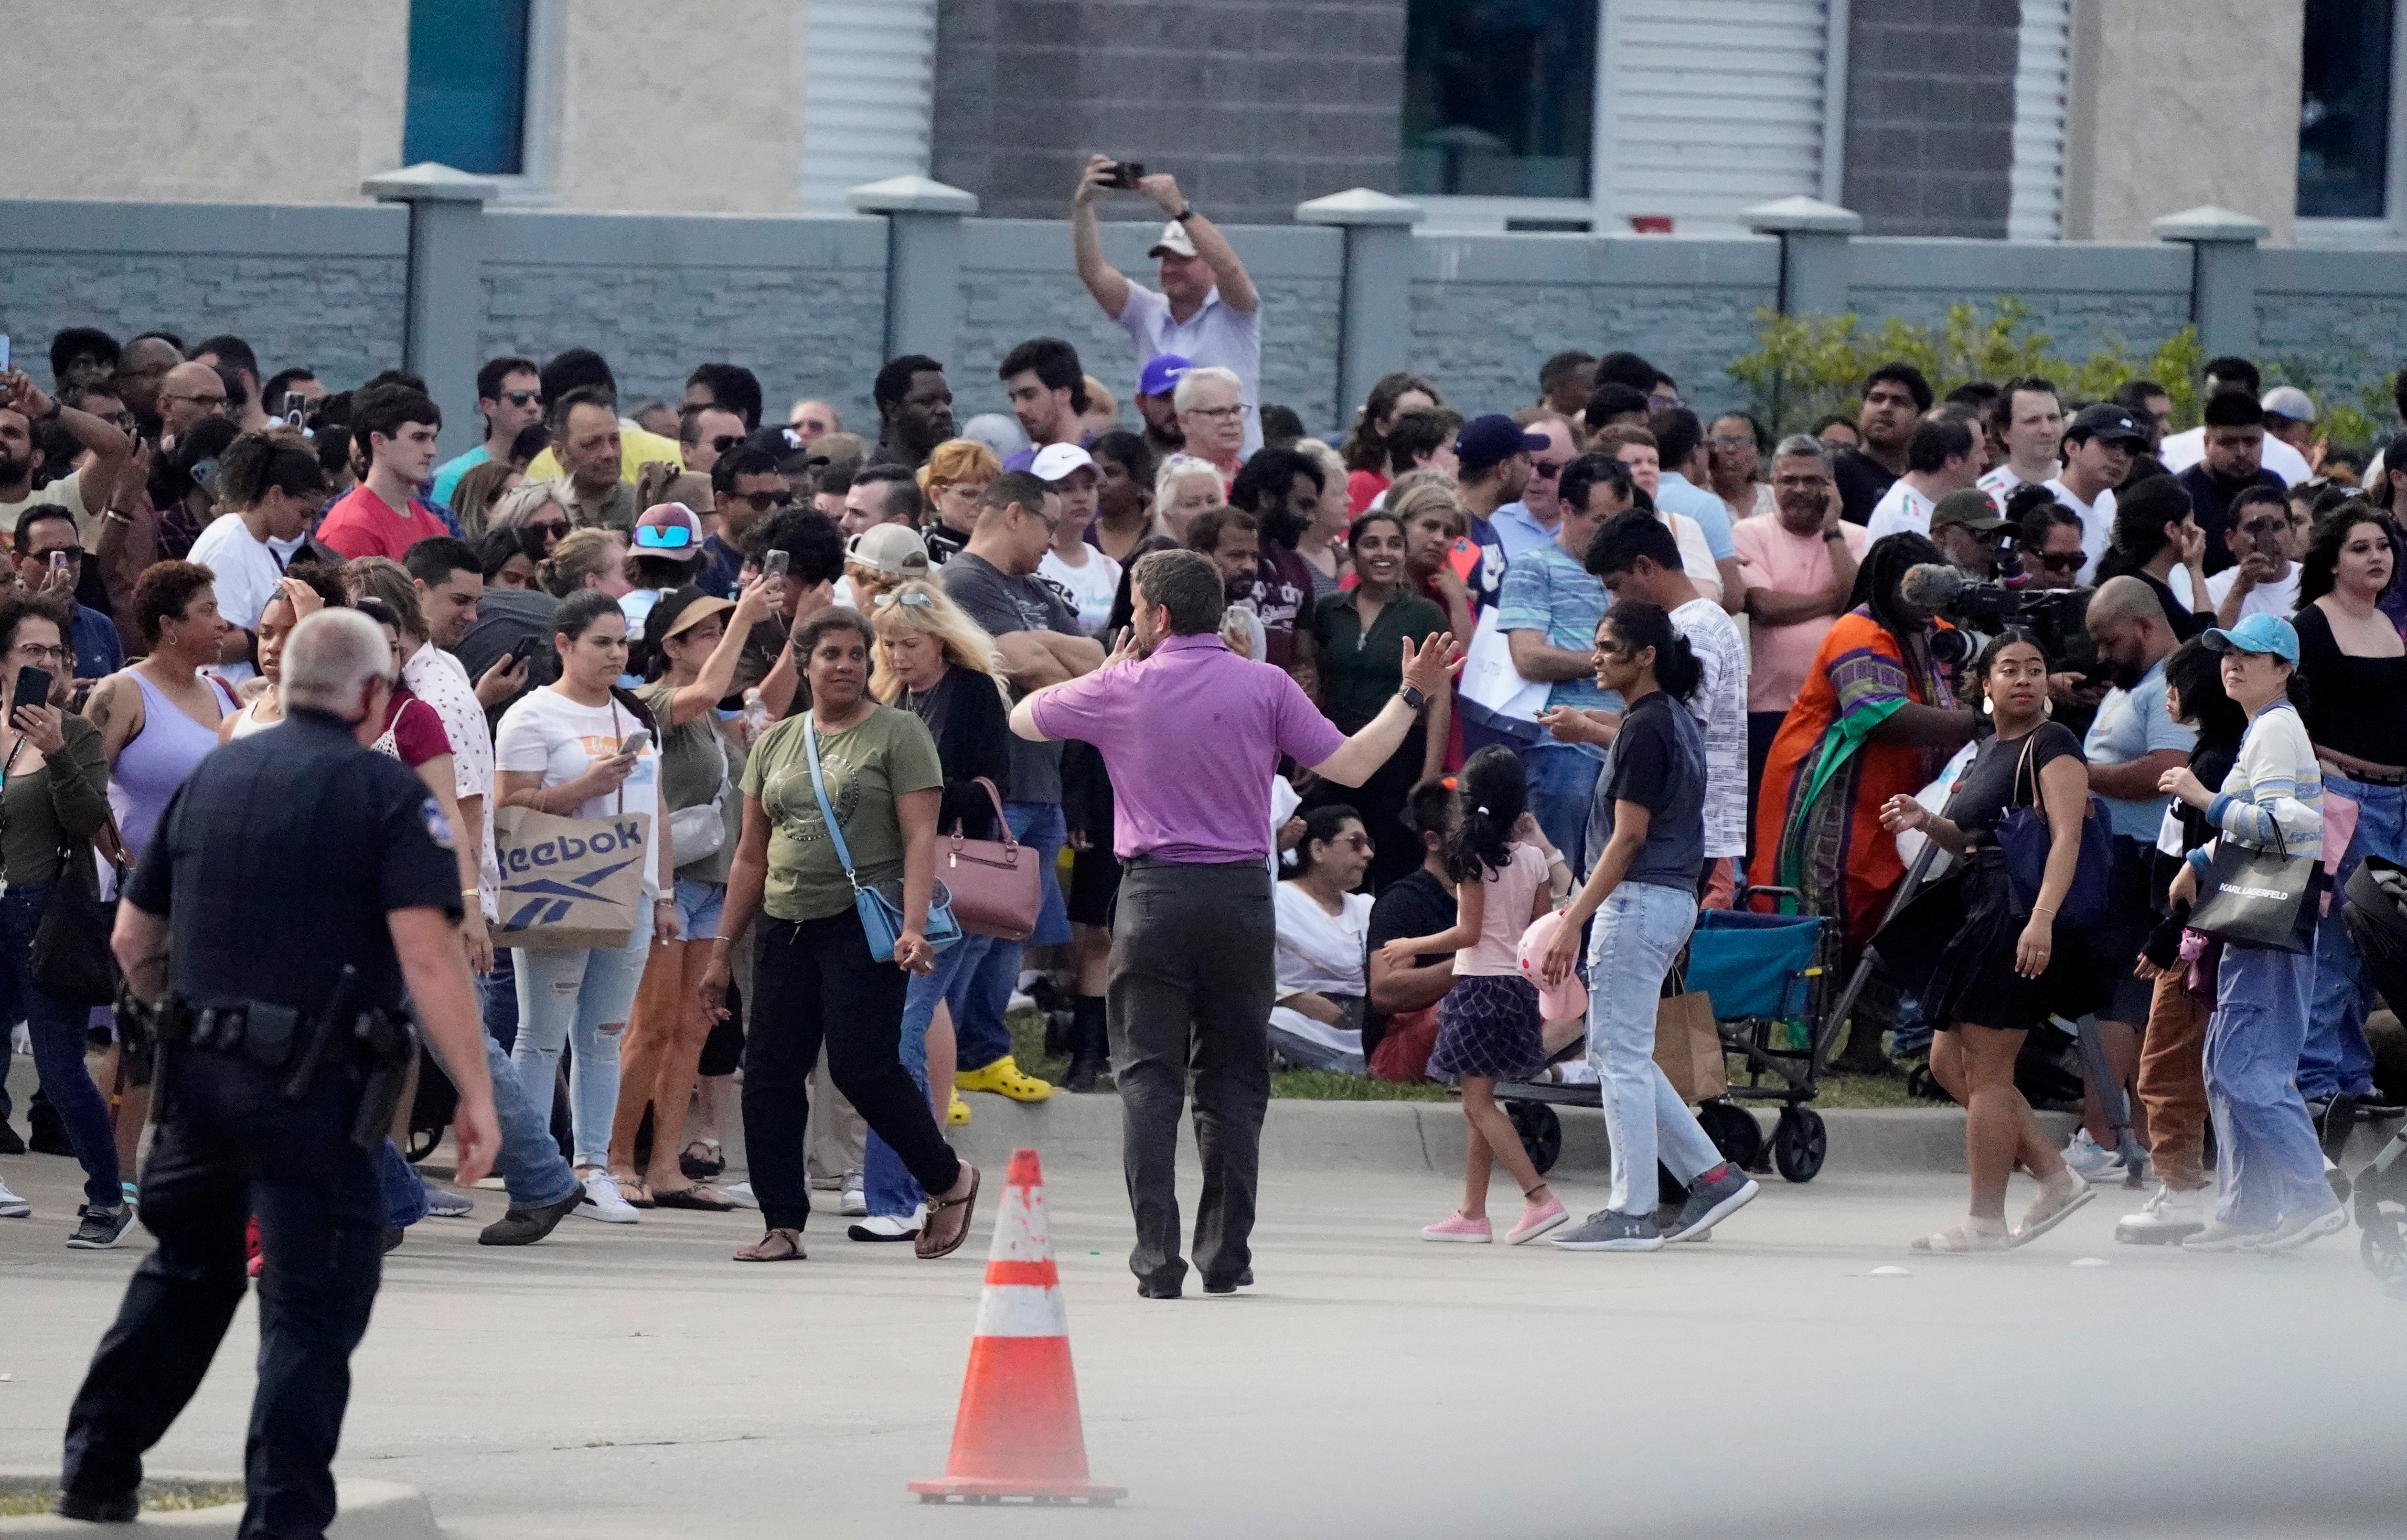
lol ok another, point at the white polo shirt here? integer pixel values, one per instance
(2096, 526)
(1218, 334)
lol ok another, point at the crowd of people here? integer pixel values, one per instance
(1520, 694)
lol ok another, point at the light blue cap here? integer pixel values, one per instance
(2257, 633)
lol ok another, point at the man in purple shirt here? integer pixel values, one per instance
(1191, 734)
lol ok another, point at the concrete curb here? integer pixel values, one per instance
(1424, 1135)
(366, 1510)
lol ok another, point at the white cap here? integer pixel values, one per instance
(2290, 401)
(1058, 461)
(1175, 239)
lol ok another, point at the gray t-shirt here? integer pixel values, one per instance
(1657, 761)
(1004, 604)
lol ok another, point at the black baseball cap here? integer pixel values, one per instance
(2108, 421)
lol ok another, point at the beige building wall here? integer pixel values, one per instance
(289, 101)
(643, 104)
(681, 105)
(2179, 103)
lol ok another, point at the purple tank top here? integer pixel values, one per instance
(149, 768)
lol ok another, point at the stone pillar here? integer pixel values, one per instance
(1375, 321)
(444, 323)
(923, 260)
(2222, 275)
(1813, 258)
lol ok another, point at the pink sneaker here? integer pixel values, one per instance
(1454, 1227)
(1536, 1219)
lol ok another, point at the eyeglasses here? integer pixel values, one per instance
(42, 654)
(1217, 414)
(764, 501)
(2060, 560)
(1356, 842)
(523, 398)
(1545, 470)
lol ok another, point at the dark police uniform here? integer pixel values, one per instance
(275, 864)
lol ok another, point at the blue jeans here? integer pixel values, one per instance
(573, 991)
(404, 1195)
(529, 1163)
(2336, 1059)
(58, 1035)
(1562, 788)
(2271, 1164)
(887, 1184)
(1637, 934)
(501, 992)
(983, 1036)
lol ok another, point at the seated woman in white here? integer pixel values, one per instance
(1323, 927)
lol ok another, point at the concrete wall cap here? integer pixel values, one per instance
(912, 194)
(2209, 222)
(1360, 206)
(1803, 215)
(429, 182)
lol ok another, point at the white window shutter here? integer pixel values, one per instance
(869, 71)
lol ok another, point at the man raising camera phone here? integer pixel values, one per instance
(1206, 312)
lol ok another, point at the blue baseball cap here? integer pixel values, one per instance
(1491, 440)
(1161, 374)
(2257, 633)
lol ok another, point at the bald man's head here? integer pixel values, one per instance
(2129, 626)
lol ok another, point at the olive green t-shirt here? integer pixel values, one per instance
(887, 754)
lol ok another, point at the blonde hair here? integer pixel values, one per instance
(475, 493)
(1100, 399)
(1331, 463)
(580, 554)
(521, 503)
(956, 461)
(916, 606)
(387, 581)
(1409, 498)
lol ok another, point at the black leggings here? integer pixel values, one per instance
(811, 981)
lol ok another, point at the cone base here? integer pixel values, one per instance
(964, 1488)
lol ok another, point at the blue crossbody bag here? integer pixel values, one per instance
(880, 911)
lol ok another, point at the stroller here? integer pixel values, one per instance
(2375, 915)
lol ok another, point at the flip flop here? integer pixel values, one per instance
(699, 1196)
(2037, 1224)
(945, 1228)
(776, 1245)
(634, 1190)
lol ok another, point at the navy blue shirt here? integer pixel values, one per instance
(278, 858)
(1657, 761)
(99, 651)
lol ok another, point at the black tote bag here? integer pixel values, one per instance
(2249, 896)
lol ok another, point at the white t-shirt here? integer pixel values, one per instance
(1719, 706)
(2279, 598)
(1217, 334)
(1695, 556)
(1091, 588)
(1901, 510)
(2096, 526)
(1319, 951)
(2000, 483)
(66, 492)
(546, 732)
(441, 680)
(2181, 450)
(247, 574)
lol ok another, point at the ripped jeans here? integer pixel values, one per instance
(585, 995)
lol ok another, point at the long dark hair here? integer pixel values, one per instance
(2331, 532)
(2195, 671)
(1494, 794)
(1366, 447)
(1881, 576)
(1641, 625)
(1322, 825)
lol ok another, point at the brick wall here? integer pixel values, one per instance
(1253, 104)
(1931, 114)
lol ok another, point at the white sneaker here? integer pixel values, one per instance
(740, 1194)
(853, 1201)
(2089, 1160)
(13, 1206)
(890, 1227)
(603, 1201)
(2168, 1217)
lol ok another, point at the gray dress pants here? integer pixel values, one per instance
(1189, 991)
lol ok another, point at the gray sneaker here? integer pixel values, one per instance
(1712, 1201)
(1608, 1231)
(2219, 1237)
(100, 1229)
(2297, 1230)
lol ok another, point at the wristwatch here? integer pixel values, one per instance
(1186, 212)
(1413, 697)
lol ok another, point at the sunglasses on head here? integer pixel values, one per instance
(882, 601)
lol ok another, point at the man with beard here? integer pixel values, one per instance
(84, 493)
(1895, 397)
(915, 409)
(1281, 489)
(142, 372)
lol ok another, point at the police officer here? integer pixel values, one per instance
(285, 861)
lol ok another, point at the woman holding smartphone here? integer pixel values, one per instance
(53, 798)
(579, 747)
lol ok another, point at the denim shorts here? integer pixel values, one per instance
(698, 905)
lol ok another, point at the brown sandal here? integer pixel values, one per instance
(947, 1223)
(776, 1245)
(700, 1197)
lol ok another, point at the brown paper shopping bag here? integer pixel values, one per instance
(569, 881)
(1687, 1048)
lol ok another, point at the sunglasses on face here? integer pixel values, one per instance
(2060, 561)
(1545, 470)
(764, 501)
(1356, 842)
(523, 398)
(721, 443)
(554, 528)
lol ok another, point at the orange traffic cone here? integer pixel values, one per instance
(1018, 1433)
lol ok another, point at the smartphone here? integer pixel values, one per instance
(296, 407)
(524, 652)
(636, 742)
(1125, 174)
(33, 689)
(773, 564)
(64, 564)
(3, 352)
(1464, 557)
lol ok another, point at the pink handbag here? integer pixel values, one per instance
(997, 887)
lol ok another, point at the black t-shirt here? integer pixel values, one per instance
(1996, 782)
(1416, 905)
(1863, 481)
(2353, 704)
(1004, 604)
(296, 833)
(1657, 761)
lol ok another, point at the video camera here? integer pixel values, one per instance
(1980, 612)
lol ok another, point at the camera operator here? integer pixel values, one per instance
(2047, 538)
(1965, 526)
